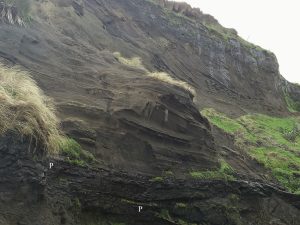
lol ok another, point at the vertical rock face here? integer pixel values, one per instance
(22, 180)
(145, 132)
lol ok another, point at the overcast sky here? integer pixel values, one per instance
(271, 24)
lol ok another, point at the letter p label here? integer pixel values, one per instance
(140, 208)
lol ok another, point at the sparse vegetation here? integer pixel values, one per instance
(220, 31)
(227, 34)
(76, 205)
(293, 106)
(225, 172)
(181, 205)
(168, 173)
(211, 175)
(226, 168)
(157, 179)
(164, 214)
(274, 142)
(162, 76)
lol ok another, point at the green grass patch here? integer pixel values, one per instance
(273, 141)
(76, 155)
(157, 179)
(284, 164)
(211, 175)
(225, 172)
(222, 121)
(226, 168)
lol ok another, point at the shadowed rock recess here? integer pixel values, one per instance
(129, 79)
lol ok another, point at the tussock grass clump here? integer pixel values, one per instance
(162, 76)
(25, 109)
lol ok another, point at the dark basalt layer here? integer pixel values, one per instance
(31, 193)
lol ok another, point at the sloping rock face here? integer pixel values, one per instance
(137, 127)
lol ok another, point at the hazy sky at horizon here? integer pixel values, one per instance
(273, 25)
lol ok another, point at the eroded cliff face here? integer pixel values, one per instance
(138, 127)
(32, 193)
(68, 46)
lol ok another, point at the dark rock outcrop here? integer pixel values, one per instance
(32, 193)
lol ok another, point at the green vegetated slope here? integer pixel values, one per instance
(292, 105)
(274, 142)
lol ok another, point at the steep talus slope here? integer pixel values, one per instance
(100, 60)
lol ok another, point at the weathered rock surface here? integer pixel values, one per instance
(31, 193)
(138, 127)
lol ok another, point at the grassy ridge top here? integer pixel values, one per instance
(274, 142)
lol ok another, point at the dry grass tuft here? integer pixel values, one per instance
(162, 76)
(25, 109)
(133, 62)
(165, 77)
